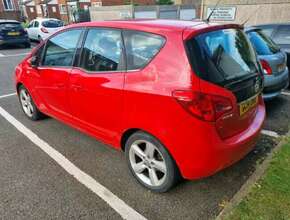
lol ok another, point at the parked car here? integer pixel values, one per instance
(41, 28)
(273, 62)
(11, 33)
(121, 82)
(280, 34)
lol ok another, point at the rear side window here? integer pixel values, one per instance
(263, 44)
(60, 49)
(222, 56)
(52, 24)
(283, 35)
(102, 50)
(141, 48)
(268, 31)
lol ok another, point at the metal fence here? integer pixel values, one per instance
(183, 12)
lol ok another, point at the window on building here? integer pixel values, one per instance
(62, 9)
(8, 5)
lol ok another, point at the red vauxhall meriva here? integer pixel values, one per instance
(181, 98)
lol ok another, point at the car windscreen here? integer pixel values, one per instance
(52, 24)
(222, 56)
(262, 43)
(10, 25)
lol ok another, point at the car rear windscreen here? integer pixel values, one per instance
(262, 43)
(52, 24)
(10, 25)
(222, 56)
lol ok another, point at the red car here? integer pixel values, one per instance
(181, 98)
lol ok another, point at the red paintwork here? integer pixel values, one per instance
(107, 105)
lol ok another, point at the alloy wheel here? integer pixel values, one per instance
(26, 103)
(147, 163)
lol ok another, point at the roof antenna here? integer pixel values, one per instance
(208, 18)
(251, 15)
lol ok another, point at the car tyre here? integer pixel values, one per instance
(28, 106)
(27, 45)
(150, 162)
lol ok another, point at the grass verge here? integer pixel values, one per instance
(270, 197)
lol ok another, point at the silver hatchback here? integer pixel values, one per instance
(273, 62)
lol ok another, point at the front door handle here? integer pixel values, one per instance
(60, 85)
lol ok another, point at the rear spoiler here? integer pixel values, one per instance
(190, 32)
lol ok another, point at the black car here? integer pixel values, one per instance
(12, 33)
(280, 34)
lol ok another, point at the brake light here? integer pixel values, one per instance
(266, 67)
(44, 30)
(203, 106)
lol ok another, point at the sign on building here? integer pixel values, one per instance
(222, 13)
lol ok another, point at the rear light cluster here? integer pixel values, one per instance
(44, 30)
(203, 106)
(266, 67)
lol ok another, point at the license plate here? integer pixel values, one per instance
(245, 106)
(13, 33)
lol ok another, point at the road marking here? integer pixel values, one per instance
(7, 95)
(117, 204)
(13, 55)
(285, 93)
(270, 133)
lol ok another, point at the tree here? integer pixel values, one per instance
(164, 2)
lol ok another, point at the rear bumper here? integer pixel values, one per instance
(216, 154)
(274, 84)
(20, 40)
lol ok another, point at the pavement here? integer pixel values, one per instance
(36, 184)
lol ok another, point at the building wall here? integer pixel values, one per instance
(257, 11)
(15, 14)
(31, 12)
(53, 11)
(122, 2)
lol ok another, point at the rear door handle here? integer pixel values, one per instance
(76, 87)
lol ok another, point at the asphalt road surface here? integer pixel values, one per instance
(33, 185)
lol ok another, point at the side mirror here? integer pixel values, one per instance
(33, 61)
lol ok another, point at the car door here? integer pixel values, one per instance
(96, 84)
(54, 70)
(35, 30)
(30, 29)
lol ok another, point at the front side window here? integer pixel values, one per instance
(102, 50)
(263, 44)
(61, 48)
(8, 5)
(283, 35)
(222, 56)
(141, 48)
(36, 24)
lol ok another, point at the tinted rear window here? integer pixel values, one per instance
(10, 25)
(263, 44)
(52, 24)
(141, 48)
(283, 35)
(222, 56)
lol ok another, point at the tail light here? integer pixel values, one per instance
(203, 106)
(266, 67)
(44, 30)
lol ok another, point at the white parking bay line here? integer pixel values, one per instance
(117, 204)
(270, 133)
(286, 93)
(2, 55)
(7, 95)
(13, 55)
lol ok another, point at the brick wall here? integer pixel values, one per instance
(15, 14)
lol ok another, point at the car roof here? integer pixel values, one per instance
(153, 25)
(45, 19)
(6, 20)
